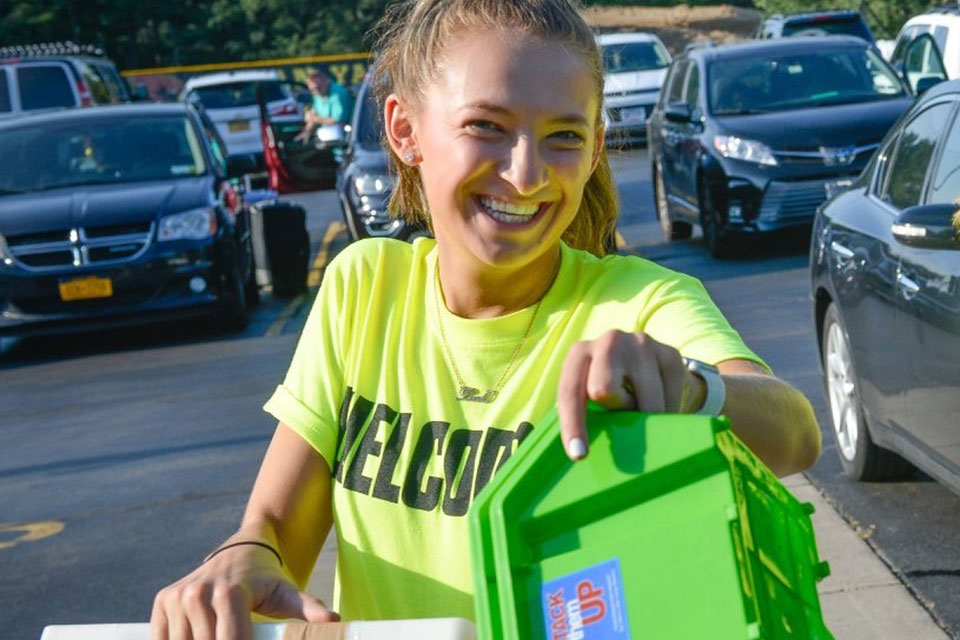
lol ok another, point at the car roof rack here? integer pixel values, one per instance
(47, 49)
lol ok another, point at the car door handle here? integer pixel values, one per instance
(844, 255)
(907, 286)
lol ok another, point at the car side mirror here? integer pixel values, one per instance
(928, 226)
(925, 83)
(240, 165)
(677, 112)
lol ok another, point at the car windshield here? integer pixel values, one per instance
(800, 80)
(90, 151)
(238, 94)
(827, 25)
(633, 56)
(368, 124)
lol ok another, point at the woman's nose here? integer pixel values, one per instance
(525, 168)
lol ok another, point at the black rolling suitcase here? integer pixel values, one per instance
(281, 246)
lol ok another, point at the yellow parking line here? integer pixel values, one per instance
(313, 279)
(29, 532)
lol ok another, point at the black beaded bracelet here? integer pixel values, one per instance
(240, 542)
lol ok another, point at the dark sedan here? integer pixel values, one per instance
(885, 266)
(114, 215)
(750, 137)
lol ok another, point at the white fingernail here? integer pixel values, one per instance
(576, 448)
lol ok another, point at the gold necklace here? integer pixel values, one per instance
(466, 392)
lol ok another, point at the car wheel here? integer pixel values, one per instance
(235, 316)
(672, 229)
(861, 458)
(251, 290)
(717, 238)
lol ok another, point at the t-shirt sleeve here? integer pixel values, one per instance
(307, 400)
(682, 315)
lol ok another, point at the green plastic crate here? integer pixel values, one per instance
(671, 528)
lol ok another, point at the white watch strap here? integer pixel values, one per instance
(716, 390)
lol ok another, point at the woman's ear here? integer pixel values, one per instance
(399, 128)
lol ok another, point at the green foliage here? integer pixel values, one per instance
(147, 33)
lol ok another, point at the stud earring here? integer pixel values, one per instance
(409, 157)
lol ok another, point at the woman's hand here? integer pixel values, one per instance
(619, 370)
(214, 602)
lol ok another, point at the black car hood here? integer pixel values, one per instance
(101, 205)
(832, 126)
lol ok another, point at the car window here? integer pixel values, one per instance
(113, 82)
(905, 177)
(238, 94)
(96, 85)
(44, 86)
(675, 91)
(800, 80)
(102, 150)
(945, 184)
(841, 25)
(4, 92)
(633, 56)
(908, 34)
(692, 93)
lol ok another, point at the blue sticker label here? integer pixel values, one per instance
(586, 605)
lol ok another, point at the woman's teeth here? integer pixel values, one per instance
(507, 212)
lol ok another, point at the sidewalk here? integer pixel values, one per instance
(861, 599)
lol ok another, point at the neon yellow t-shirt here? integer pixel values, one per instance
(371, 389)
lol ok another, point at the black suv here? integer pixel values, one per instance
(120, 214)
(848, 23)
(752, 137)
(364, 183)
(57, 75)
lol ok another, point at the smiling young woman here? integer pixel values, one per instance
(422, 367)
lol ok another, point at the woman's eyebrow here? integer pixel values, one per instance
(571, 118)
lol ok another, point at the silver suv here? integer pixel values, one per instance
(57, 75)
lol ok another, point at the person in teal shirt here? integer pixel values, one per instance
(332, 102)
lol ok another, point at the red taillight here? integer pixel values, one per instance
(86, 99)
(289, 109)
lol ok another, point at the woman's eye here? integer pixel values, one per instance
(568, 136)
(484, 126)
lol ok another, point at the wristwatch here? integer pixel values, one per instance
(716, 391)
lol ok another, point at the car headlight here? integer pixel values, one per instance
(189, 225)
(371, 184)
(746, 150)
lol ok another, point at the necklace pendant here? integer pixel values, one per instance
(472, 394)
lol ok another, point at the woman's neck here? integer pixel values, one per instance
(479, 291)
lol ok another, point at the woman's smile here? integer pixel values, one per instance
(510, 214)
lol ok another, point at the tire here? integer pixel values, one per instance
(672, 229)
(718, 239)
(235, 316)
(251, 290)
(862, 459)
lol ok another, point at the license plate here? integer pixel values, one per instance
(86, 288)
(633, 115)
(239, 125)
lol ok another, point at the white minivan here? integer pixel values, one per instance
(634, 65)
(230, 99)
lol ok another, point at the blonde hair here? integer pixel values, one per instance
(410, 41)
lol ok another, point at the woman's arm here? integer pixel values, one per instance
(290, 510)
(632, 371)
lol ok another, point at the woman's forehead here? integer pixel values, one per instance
(514, 70)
